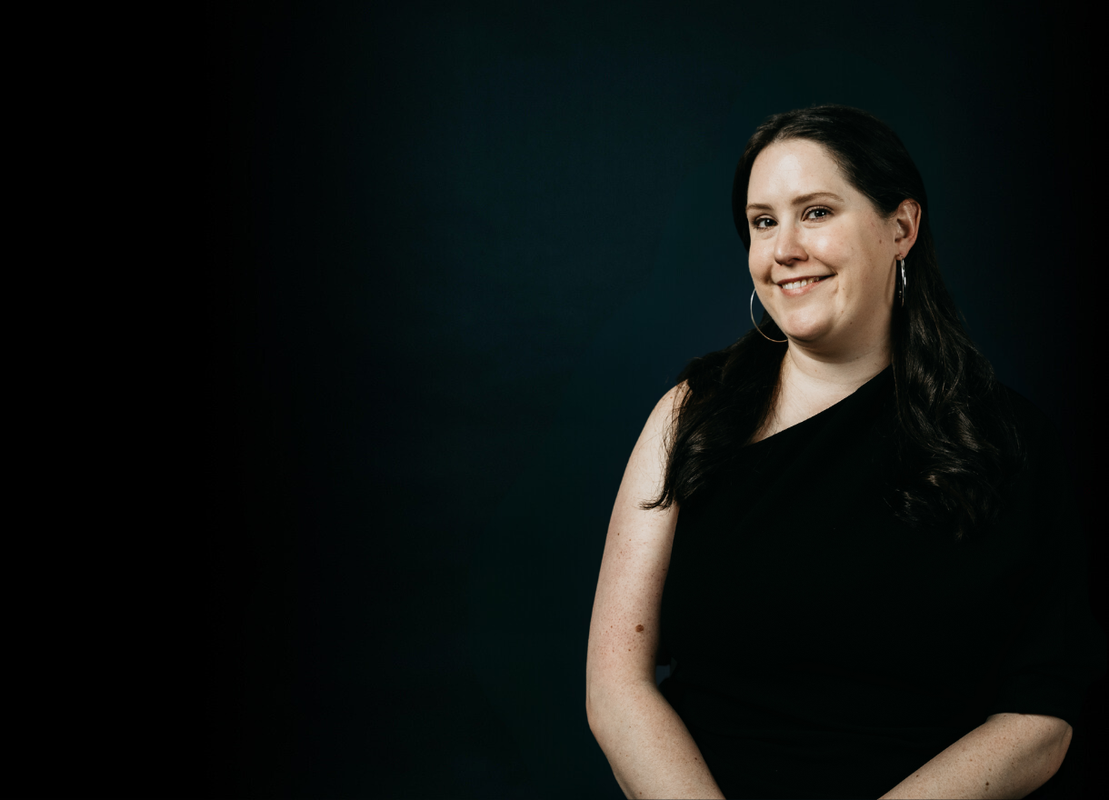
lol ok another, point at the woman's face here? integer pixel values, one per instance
(821, 256)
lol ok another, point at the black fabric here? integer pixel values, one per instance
(823, 649)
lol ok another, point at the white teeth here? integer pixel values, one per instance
(799, 284)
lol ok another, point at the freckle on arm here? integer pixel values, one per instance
(639, 629)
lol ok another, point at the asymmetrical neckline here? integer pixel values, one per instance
(860, 395)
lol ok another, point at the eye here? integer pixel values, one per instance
(762, 223)
(817, 213)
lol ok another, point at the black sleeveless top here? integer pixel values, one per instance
(821, 648)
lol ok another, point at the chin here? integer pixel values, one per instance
(805, 331)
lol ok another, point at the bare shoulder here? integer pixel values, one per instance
(647, 464)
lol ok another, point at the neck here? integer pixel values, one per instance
(810, 382)
(825, 374)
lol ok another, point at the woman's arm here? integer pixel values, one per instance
(1009, 756)
(648, 746)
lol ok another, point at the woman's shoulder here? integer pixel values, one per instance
(671, 402)
(663, 417)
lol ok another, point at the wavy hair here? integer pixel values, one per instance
(957, 440)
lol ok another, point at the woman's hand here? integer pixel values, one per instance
(1010, 755)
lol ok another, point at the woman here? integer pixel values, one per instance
(875, 586)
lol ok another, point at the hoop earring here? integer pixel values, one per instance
(779, 341)
(903, 283)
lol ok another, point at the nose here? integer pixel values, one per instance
(787, 245)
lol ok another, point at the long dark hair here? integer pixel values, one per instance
(957, 438)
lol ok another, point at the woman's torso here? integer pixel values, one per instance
(819, 644)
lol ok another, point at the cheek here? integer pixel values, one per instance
(854, 256)
(758, 259)
(837, 251)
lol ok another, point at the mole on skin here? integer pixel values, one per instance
(639, 629)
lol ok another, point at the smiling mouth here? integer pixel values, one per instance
(803, 282)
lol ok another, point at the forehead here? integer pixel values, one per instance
(792, 167)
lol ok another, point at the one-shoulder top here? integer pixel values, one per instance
(822, 648)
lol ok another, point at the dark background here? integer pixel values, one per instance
(461, 251)
(452, 254)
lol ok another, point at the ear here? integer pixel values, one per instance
(907, 220)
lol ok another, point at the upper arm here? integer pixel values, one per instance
(624, 630)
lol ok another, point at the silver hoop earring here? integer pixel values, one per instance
(903, 283)
(779, 341)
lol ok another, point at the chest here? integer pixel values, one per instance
(794, 405)
(797, 555)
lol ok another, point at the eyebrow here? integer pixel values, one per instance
(797, 201)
